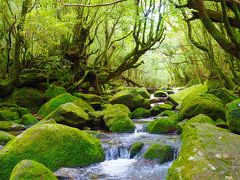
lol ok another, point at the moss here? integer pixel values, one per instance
(131, 99)
(168, 113)
(5, 137)
(54, 91)
(6, 87)
(7, 115)
(213, 84)
(69, 114)
(163, 125)
(141, 113)
(53, 145)
(221, 123)
(201, 118)
(233, 115)
(196, 89)
(29, 119)
(225, 95)
(143, 92)
(89, 97)
(160, 94)
(29, 169)
(135, 149)
(158, 109)
(11, 126)
(54, 103)
(160, 153)
(116, 118)
(207, 152)
(207, 104)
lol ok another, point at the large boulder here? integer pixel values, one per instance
(225, 95)
(207, 104)
(5, 137)
(6, 87)
(140, 113)
(69, 114)
(233, 115)
(130, 98)
(53, 145)
(160, 153)
(29, 169)
(207, 152)
(8, 115)
(158, 109)
(54, 91)
(54, 103)
(116, 118)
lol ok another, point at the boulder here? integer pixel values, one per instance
(207, 152)
(54, 103)
(158, 109)
(167, 113)
(160, 153)
(29, 119)
(135, 149)
(225, 95)
(140, 113)
(54, 91)
(163, 125)
(221, 123)
(6, 87)
(53, 145)
(5, 137)
(160, 94)
(143, 92)
(233, 115)
(7, 115)
(29, 169)
(207, 104)
(11, 126)
(116, 118)
(130, 98)
(89, 97)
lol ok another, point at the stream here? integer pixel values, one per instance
(118, 164)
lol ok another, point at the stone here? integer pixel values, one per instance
(29, 119)
(5, 137)
(54, 91)
(136, 149)
(158, 109)
(140, 113)
(233, 115)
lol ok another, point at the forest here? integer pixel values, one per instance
(119, 89)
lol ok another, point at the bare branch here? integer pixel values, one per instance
(95, 5)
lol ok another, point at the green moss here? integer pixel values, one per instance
(7, 115)
(221, 123)
(89, 97)
(11, 126)
(54, 103)
(163, 125)
(158, 109)
(233, 115)
(160, 153)
(143, 92)
(5, 137)
(225, 95)
(53, 145)
(201, 118)
(207, 104)
(160, 94)
(135, 149)
(168, 113)
(141, 113)
(54, 91)
(207, 152)
(29, 119)
(29, 169)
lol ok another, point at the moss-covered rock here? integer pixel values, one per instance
(221, 123)
(143, 92)
(225, 95)
(135, 149)
(29, 169)
(160, 94)
(7, 115)
(207, 104)
(53, 145)
(168, 113)
(6, 87)
(163, 125)
(5, 137)
(207, 152)
(196, 89)
(160, 153)
(116, 118)
(69, 114)
(89, 97)
(158, 109)
(54, 91)
(130, 98)
(54, 103)
(29, 119)
(11, 126)
(141, 113)
(233, 115)
(201, 118)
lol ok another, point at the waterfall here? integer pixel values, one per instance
(117, 152)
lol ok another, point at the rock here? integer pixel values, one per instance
(170, 91)
(233, 115)
(163, 125)
(143, 92)
(168, 113)
(53, 145)
(29, 169)
(207, 152)
(7, 115)
(141, 113)
(207, 104)
(196, 89)
(160, 94)
(116, 118)
(135, 149)
(89, 97)
(5, 137)
(225, 95)
(157, 109)
(54, 91)
(11, 126)
(131, 99)
(6, 87)
(160, 153)
(69, 114)
(29, 119)
(221, 123)
(54, 103)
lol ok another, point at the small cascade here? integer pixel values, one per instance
(117, 152)
(139, 128)
(1, 147)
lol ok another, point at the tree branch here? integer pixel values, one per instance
(95, 5)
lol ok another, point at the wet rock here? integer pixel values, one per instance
(140, 113)
(233, 115)
(5, 137)
(158, 109)
(135, 149)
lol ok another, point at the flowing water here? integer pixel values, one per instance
(118, 165)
